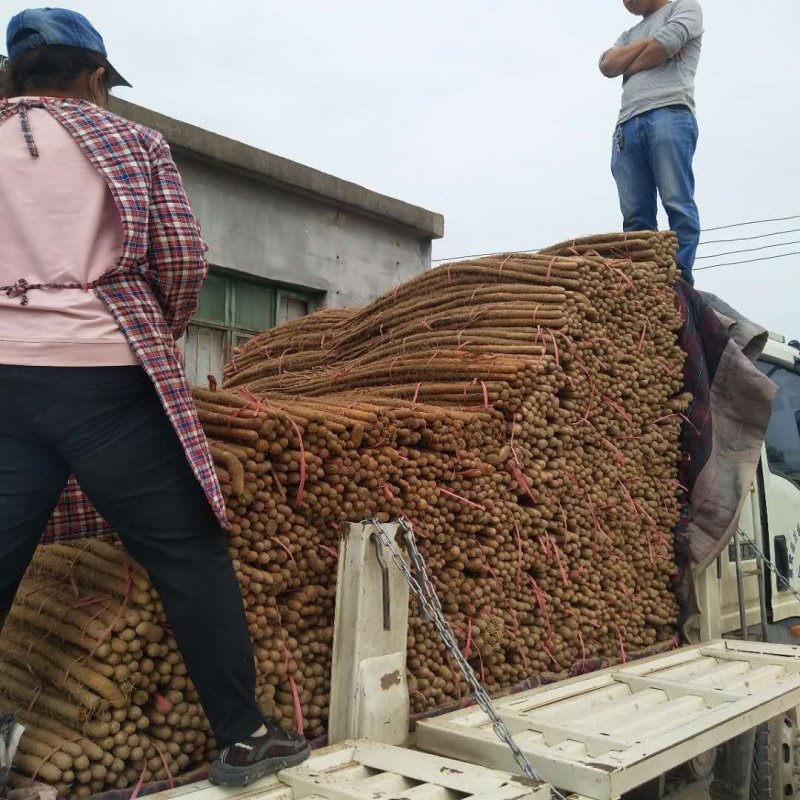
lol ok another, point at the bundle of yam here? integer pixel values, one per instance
(89, 665)
(523, 411)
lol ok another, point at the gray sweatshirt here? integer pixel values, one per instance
(678, 26)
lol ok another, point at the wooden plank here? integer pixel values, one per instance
(704, 670)
(514, 792)
(665, 718)
(683, 728)
(305, 785)
(267, 789)
(757, 679)
(427, 791)
(577, 689)
(720, 674)
(398, 771)
(636, 704)
(696, 742)
(782, 651)
(341, 754)
(758, 660)
(714, 719)
(684, 657)
(674, 690)
(385, 782)
(458, 742)
(691, 671)
(582, 688)
(577, 707)
(572, 689)
(456, 775)
(595, 744)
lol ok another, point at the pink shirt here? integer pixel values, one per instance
(58, 224)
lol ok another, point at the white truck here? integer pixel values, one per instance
(717, 719)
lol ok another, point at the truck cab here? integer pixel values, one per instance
(750, 591)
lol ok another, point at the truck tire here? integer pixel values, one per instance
(775, 756)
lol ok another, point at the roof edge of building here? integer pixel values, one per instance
(236, 156)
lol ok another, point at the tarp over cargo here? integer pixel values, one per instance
(723, 431)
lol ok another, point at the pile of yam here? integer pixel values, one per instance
(523, 411)
(88, 663)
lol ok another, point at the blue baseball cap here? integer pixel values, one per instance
(40, 27)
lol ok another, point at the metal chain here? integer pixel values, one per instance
(774, 569)
(419, 582)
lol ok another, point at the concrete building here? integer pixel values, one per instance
(284, 239)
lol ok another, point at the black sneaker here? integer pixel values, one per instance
(253, 758)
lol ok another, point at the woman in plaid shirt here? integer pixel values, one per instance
(101, 264)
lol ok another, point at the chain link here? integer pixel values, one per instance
(419, 582)
(774, 569)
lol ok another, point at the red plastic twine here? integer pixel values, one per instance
(622, 652)
(459, 497)
(298, 710)
(540, 599)
(163, 704)
(522, 481)
(277, 481)
(561, 569)
(330, 551)
(552, 657)
(519, 557)
(281, 544)
(619, 409)
(170, 779)
(468, 645)
(555, 349)
(302, 485)
(483, 670)
(642, 338)
(583, 647)
(138, 788)
(254, 400)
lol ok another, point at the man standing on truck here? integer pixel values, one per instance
(656, 134)
(101, 264)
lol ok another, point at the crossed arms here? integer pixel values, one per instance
(628, 58)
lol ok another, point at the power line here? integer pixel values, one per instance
(752, 222)
(696, 269)
(704, 230)
(483, 255)
(746, 261)
(750, 249)
(749, 238)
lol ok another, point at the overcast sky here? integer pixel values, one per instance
(491, 112)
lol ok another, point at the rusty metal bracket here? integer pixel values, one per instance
(387, 615)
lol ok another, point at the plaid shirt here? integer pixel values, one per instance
(154, 288)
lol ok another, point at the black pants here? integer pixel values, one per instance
(106, 426)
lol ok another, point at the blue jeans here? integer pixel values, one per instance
(653, 152)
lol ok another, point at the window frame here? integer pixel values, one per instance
(769, 367)
(234, 334)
